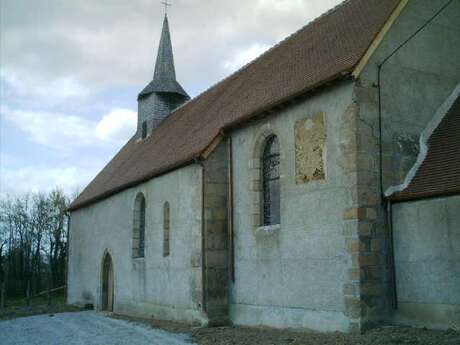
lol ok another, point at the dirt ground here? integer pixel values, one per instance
(390, 335)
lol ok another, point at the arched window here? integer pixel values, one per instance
(144, 130)
(139, 227)
(166, 227)
(271, 181)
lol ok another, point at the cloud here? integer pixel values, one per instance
(242, 57)
(64, 131)
(51, 91)
(18, 181)
(282, 5)
(61, 59)
(85, 43)
(119, 125)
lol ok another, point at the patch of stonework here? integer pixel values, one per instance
(310, 148)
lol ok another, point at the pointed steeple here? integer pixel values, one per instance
(164, 67)
(164, 77)
(163, 94)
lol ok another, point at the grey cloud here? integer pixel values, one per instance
(109, 43)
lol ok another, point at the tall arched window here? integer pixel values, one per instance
(139, 227)
(166, 227)
(271, 181)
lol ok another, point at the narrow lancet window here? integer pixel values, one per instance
(166, 228)
(271, 182)
(144, 129)
(139, 227)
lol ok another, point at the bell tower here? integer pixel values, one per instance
(163, 94)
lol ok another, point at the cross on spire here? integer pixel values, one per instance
(166, 4)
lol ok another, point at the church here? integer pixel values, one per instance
(318, 187)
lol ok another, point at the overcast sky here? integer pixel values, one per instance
(70, 72)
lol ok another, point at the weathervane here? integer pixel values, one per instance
(166, 4)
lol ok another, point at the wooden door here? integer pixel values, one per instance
(107, 284)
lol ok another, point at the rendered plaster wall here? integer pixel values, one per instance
(163, 287)
(294, 276)
(427, 255)
(415, 81)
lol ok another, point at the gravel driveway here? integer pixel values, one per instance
(84, 328)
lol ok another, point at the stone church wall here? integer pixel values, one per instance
(295, 276)
(427, 255)
(163, 287)
(415, 81)
(216, 236)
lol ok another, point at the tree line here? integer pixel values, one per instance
(33, 243)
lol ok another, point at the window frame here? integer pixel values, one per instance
(144, 129)
(270, 209)
(139, 225)
(166, 229)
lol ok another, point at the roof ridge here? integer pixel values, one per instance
(269, 50)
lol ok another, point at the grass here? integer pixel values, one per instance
(17, 307)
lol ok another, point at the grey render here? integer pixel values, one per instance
(327, 266)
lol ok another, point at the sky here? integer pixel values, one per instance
(70, 73)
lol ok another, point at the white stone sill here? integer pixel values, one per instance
(268, 230)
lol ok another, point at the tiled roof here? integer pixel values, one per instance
(322, 51)
(439, 173)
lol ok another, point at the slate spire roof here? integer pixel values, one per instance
(164, 67)
(164, 77)
(327, 49)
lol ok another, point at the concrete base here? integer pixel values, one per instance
(284, 317)
(434, 316)
(150, 310)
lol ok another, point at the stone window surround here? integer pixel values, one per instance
(135, 249)
(255, 183)
(166, 229)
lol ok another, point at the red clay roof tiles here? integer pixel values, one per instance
(325, 49)
(439, 173)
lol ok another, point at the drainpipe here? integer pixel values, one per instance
(386, 203)
(394, 292)
(203, 234)
(230, 211)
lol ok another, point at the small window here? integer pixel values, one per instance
(166, 227)
(144, 129)
(271, 182)
(139, 227)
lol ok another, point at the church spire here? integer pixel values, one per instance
(164, 67)
(163, 94)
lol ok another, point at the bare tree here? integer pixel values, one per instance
(33, 236)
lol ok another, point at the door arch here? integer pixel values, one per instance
(107, 283)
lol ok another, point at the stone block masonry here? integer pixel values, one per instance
(215, 251)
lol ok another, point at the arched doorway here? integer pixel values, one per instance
(107, 283)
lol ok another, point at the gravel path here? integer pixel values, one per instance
(84, 328)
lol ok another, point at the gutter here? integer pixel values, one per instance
(148, 177)
(204, 301)
(386, 195)
(263, 112)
